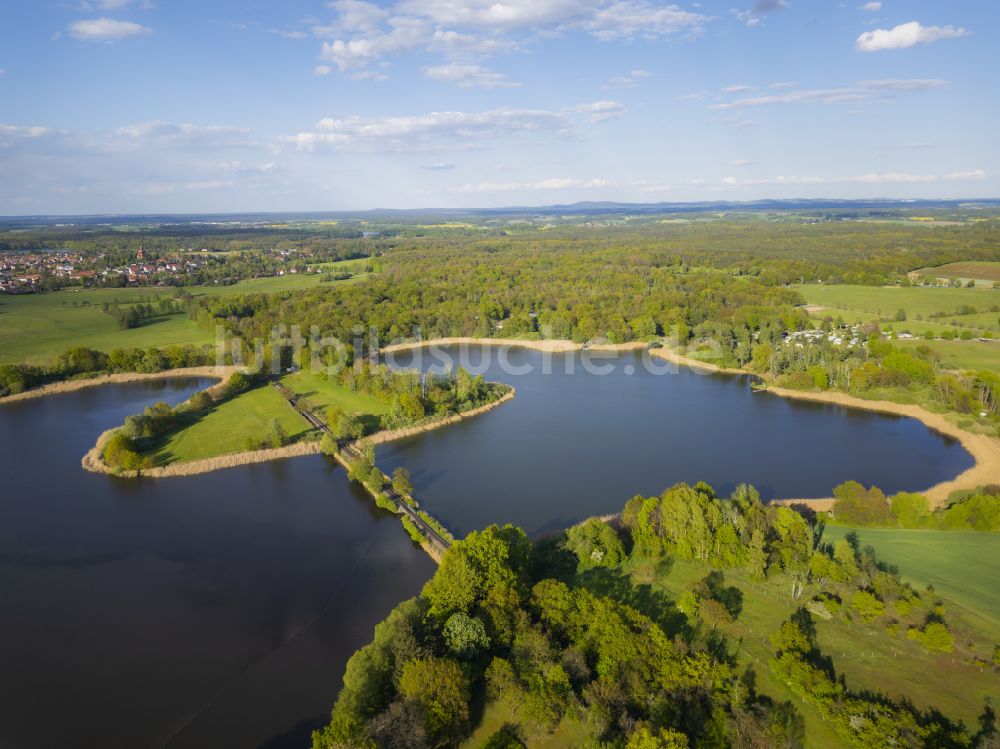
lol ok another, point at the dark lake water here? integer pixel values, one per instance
(574, 445)
(219, 610)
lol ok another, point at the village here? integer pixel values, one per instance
(38, 271)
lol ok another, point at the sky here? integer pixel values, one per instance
(180, 106)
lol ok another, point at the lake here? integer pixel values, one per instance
(574, 445)
(219, 609)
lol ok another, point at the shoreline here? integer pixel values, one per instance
(985, 450)
(119, 378)
(93, 459)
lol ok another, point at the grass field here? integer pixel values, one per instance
(862, 304)
(973, 355)
(886, 300)
(868, 656)
(225, 428)
(963, 566)
(321, 393)
(34, 327)
(977, 270)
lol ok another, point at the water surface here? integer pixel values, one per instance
(208, 611)
(574, 445)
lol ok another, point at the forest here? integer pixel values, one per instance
(554, 635)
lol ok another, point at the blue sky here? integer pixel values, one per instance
(116, 106)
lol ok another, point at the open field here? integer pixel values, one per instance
(37, 326)
(963, 566)
(867, 654)
(321, 393)
(887, 300)
(974, 355)
(976, 270)
(226, 427)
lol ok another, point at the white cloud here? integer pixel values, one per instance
(739, 89)
(741, 162)
(106, 30)
(874, 178)
(19, 131)
(631, 80)
(405, 35)
(599, 111)
(436, 130)
(905, 35)
(364, 35)
(166, 133)
(356, 15)
(438, 167)
(864, 91)
(554, 183)
(469, 75)
(322, 70)
(874, 7)
(630, 19)
(760, 9)
(116, 4)
(905, 84)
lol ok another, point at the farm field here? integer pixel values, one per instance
(943, 559)
(226, 427)
(887, 300)
(963, 354)
(977, 270)
(34, 327)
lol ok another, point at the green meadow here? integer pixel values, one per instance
(225, 428)
(35, 327)
(962, 565)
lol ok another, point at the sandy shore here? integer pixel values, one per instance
(68, 386)
(549, 345)
(94, 460)
(984, 450)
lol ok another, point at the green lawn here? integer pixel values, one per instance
(963, 566)
(34, 327)
(226, 427)
(321, 393)
(886, 300)
(973, 355)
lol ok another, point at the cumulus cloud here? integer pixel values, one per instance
(106, 30)
(863, 91)
(873, 7)
(436, 130)
(469, 75)
(905, 35)
(365, 35)
(554, 183)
